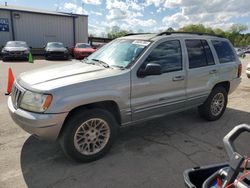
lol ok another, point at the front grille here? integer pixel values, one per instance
(16, 95)
(57, 53)
(16, 53)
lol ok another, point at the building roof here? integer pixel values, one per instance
(37, 11)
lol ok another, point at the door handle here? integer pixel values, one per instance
(213, 71)
(178, 78)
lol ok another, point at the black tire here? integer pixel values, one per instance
(4, 59)
(72, 124)
(248, 75)
(205, 109)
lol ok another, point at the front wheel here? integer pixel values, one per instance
(88, 135)
(213, 108)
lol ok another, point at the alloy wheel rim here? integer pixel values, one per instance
(217, 104)
(92, 136)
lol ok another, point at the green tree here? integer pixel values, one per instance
(238, 28)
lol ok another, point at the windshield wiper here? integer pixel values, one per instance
(119, 66)
(86, 60)
(106, 65)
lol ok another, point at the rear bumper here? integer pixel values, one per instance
(44, 126)
(234, 84)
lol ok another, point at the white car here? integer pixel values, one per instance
(248, 70)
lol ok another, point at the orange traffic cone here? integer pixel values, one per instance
(10, 81)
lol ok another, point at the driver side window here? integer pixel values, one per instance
(167, 55)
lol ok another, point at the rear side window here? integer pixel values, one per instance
(224, 51)
(199, 53)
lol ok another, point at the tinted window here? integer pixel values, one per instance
(196, 54)
(209, 55)
(224, 51)
(168, 55)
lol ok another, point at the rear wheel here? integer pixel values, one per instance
(248, 75)
(215, 105)
(88, 135)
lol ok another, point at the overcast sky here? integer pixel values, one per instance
(149, 15)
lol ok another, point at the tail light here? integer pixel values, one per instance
(239, 70)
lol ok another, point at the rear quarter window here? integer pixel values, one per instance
(224, 51)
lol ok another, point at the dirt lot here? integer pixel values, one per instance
(153, 154)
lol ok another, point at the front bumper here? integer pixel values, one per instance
(57, 55)
(15, 56)
(43, 126)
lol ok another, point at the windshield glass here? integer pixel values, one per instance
(83, 46)
(16, 44)
(55, 45)
(120, 52)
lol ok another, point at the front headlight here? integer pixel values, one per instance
(4, 51)
(35, 102)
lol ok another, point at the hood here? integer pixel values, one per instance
(85, 50)
(64, 74)
(10, 49)
(51, 49)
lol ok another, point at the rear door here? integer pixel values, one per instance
(202, 71)
(227, 58)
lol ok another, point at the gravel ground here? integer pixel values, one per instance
(151, 154)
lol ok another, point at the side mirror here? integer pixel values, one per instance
(150, 69)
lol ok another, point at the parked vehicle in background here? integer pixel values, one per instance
(56, 50)
(135, 78)
(247, 50)
(240, 52)
(15, 50)
(248, 70)
(83, 50)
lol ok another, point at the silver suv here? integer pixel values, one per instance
(132, 79)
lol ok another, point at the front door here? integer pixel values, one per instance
(156, 95)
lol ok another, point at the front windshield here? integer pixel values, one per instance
(83, 46)
(16, 44)
(55, 45)
(120, 52)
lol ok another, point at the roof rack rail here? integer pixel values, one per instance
(194, 33)
(129, 34)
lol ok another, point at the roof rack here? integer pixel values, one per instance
(129, 34)
(194, 33)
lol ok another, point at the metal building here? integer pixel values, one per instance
(37, 27)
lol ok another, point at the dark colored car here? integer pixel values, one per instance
(15, 50)
(240, 52)
(56, 50)
(83, 50)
